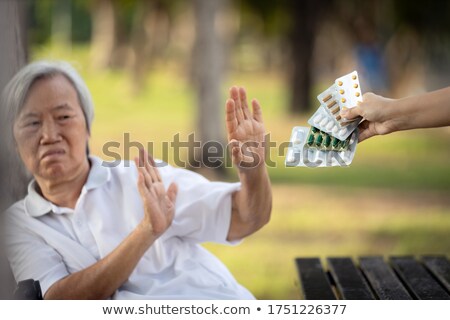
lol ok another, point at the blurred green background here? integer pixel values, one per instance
(393, 199)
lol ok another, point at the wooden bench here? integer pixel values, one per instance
(398, 278)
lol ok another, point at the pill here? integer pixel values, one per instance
(335, 129)
(357, 94)
(327, 141)
(310, 139)
(343, 100)
(331, 104)
(319, 140)
(314, 129)
(336, 142)
(354, 77)
(346, 123)
(338, 118)
(330, 125)
(345, 144)
(317, 119)
(297, 141)
(340, 83)
(323, 123)
(335, 110)
(327, 98)
(342, 131)
(355, 85)
(341, 91)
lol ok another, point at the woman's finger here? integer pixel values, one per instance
(234, 94)
(153, 167)
(257, 113)
(149, 168)
(244, 105)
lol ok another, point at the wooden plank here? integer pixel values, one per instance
(349, 281)
(313, 280)
(382, 279)
(439, 266)
(419, 282)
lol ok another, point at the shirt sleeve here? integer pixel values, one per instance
(31, 258)
(203, 208)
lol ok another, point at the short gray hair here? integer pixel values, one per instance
(16, 91)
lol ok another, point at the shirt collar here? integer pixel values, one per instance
(36, 205)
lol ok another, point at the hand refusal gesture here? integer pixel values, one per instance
(245, 130)
(159, 204)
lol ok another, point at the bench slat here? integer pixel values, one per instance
(440, 268)
(417, 279)
(382, 279)
(313, 280)
(348, 279)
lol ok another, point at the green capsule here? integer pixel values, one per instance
(310, 139)
(345, 144)
(314, 129)
(319, 140)
(336, 143)
(327, 140)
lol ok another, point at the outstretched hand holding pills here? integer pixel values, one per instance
(382, 115)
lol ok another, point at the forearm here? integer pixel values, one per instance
(103, 278)
(423, 111)
(252, 204)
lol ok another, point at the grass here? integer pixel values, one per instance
(393, 199)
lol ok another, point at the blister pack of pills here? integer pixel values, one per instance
(344, 93)
(311, 147)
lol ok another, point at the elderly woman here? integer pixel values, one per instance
(88, 231)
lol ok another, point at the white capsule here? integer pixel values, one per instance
(317, 119)
(330, 125)
(323, 123)
(343, 131)
(335, 129)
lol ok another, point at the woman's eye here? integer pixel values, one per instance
(64, 117)
(33, 123)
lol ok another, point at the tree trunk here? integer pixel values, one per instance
(62, 23)
(304, 16)
(208, 63)
(103, 39)
(13, 40)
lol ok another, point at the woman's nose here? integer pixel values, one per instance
(50, 133)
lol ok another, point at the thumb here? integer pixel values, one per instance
(172, 192)
(351, 113)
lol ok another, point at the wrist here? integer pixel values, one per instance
(249, 176)
(145, 230)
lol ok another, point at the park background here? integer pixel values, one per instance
(163, 67)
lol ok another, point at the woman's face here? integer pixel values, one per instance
(50, 131)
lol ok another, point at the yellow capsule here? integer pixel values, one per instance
(357, 94)
(340, 83)
(332, 103)
(354, 77)
(355, 85)
(327, 98)
(341, 91)
(343, 100)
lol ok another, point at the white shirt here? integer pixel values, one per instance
(46, 242)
